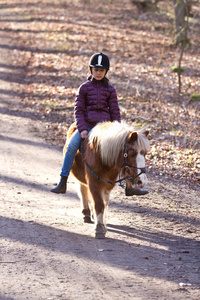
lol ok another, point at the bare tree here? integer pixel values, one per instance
(181, 8)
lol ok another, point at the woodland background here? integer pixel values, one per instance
(55, 40)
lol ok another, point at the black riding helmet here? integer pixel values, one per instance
(99, 60)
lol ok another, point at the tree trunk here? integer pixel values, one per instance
(181, 19)
(181, 10)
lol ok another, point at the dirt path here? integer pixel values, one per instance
(47, 252)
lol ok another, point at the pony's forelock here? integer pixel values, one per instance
(109, 139)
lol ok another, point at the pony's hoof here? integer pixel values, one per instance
(100, 235)
(87, 219)
(87, 216)
(100, 232)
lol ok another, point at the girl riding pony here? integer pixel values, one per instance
(96, 101)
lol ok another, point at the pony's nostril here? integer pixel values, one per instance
(139, 182)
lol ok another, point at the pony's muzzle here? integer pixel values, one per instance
(141, 179)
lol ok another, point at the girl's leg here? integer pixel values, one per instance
(72, 148)
(68, 161)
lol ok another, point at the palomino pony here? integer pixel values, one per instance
(112, 149)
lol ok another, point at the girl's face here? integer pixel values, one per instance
(98, 73)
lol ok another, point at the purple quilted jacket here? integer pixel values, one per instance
(95, 103)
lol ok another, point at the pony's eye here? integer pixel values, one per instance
(133, 154)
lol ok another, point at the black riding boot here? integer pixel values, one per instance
(61, 187)
(131, 191)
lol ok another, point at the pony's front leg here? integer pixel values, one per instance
(100, 230)
(106, 200)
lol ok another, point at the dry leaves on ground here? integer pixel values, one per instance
(56, 39)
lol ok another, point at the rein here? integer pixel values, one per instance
(143, 170)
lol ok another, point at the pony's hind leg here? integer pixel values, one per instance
(86, 211)
(100, 230)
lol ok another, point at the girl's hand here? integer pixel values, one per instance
(84, 134)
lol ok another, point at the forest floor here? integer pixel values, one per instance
(152, 250)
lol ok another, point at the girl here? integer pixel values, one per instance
(96, 101)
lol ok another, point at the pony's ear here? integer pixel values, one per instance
(132, 137)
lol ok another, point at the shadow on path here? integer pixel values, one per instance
(64, 241)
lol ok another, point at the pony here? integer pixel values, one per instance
(111, 149)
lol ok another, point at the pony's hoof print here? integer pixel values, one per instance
(100, 232)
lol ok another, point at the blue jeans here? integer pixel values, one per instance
(72, 148)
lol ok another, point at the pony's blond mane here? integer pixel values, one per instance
(109, 138)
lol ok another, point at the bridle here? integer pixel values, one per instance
(125, 165)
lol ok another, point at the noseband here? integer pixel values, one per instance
(125, 164)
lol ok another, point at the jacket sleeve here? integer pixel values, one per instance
(114, 106)
(79, 109)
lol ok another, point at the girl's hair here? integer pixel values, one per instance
(105, 81)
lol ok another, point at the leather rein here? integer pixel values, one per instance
(127, 167)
